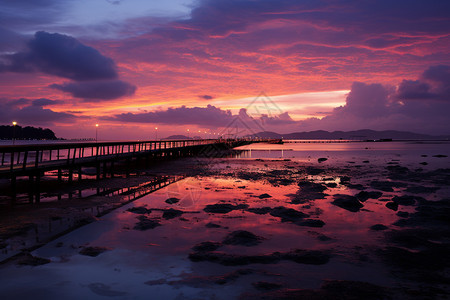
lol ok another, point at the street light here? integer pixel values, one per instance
(188, 132)
(156, 132)
(96, 132)
(14, 131)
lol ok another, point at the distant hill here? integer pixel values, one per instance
(364, 134)
(8, 132)
(178, 137)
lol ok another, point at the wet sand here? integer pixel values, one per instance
(351, 227)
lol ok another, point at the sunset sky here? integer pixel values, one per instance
(222, 66)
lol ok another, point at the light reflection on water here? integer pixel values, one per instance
(162, 253)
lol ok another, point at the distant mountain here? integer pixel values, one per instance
(364, 134)
(8, 132)
(178, 137)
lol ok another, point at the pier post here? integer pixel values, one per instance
(13, 189)
(30, 188)
(37, 188)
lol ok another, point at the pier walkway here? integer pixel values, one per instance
(68, 159)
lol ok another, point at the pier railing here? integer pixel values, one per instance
(22, 157)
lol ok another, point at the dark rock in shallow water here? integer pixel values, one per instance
(172, 200)
(139, 210)
(311, 223)
(344, 179)
(421, 189)
(264, 196)
(392, 205)
(314, 171)
(378, 227)
(309, 257)
(347, 202)
(145, 224)
(424, 163)
(440, 155)
(322, 159)
(206, 246)
(309, 186)
(223, 208)
(260, 210)
(386, 186)
(287, 214)
(30, 260)
(171, 213)
(298, 256)
(266, 286)
(331, 184)
(403, 214)
(363, 195)
(93, 251)
(242, 238)
(355, 186)
(212, 225)
(406, 200)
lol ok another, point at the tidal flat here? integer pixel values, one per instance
(350, 221)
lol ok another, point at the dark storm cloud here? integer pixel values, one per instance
(60, 55)
(31, 112)
(206, 97)
(44, 102)
(97, 90)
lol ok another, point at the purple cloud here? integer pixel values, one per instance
(60, 55)
(97, 90)
(30, 113)
(414, 106)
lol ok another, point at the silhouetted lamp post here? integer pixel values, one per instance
(14, 131)
(188, 132)
(96, 132)
(156, 132)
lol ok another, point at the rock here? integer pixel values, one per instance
(171, 213)
(260, 210)
(347, 202)
(298, 256)
(392, 205)
(311, 223)
(363, 195)
(331, 184)
(378, 227)
(30, 260)
(212, 225)
(264, 196)
(314, 171)
(309, 257)
(440, 155)
(223, 208)
(287, 214)
(386, 186)
(403, 214)
(206, 246)
(145, 224)
(421, 189)
(93, 251)
(424, 163)
(344, 179)
(309, 186)
(139, 210)
(266, 286)
(406, 200)
(322, 159)
(242, 238)
(172, 200)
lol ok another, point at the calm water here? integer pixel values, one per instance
(155, 264)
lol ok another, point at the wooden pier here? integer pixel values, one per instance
(68, 159)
